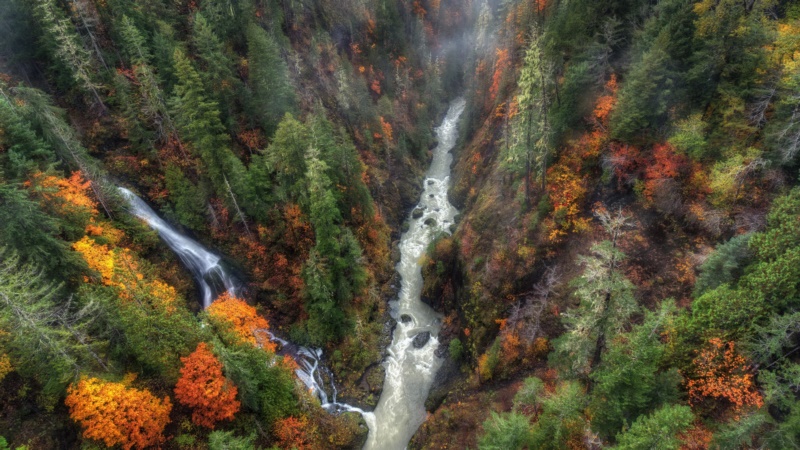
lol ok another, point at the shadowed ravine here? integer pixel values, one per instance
(410, 366)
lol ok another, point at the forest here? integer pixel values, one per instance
(622, 269)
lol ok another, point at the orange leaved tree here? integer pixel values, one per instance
(293, 433)
(243, 320)
(721, 373)
(203, 388)
(116, 414)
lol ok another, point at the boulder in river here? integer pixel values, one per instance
(430, 221)
(417, 213)
(405, 318)
(421, 339)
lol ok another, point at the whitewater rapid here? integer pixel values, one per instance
(410, 370)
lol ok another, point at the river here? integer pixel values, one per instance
(410, 370)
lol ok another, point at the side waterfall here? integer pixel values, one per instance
(212, 278)
(204, 265)
(411, 363)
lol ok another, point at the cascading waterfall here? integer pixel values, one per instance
(203, 264)
(212, 278)
(412, 362)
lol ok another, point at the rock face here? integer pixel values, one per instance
(421, 339)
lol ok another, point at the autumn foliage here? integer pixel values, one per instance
(118, 415)
(119, 267)
(292, 433)
(5, 366)
(65, 195)
(500, 67)
(721, 373)
(203, 388)
(243, 320)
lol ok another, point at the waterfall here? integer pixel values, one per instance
(213, 279)
(203, 264)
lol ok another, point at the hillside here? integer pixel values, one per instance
(620, 272)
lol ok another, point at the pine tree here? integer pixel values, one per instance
(504, 432)
(659, 430)
(198, 121)
(286, 156)
(25, 150)
(606, 303)
(217, 72)
(273, 95)
(151, 108)
(561, 419)
(49, 341)
(69, 48)
(528, 144)
(628, 381)
(34, 234)
(51, 124)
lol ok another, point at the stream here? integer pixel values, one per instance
(411, 361)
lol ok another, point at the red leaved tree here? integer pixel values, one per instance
(203, 388)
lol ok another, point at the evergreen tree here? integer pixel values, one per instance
(68, 47)
(187, 198)
(25, 150)
(217, 72)
(504, 432)
(49, 338)
(561, 419)
(149, 106)
(339, 154)
(34, 234)
(264, 387)
(198, 121)
(272, 93)
(286, 156)
(606, 303)
(50, 122)
(628, 381)
(659, 430)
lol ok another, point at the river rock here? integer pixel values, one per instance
(417, 213)
(405, 318)
(430, 182)
(421, 339)
(430, 221)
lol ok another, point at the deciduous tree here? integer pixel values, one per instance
(203, 388)
(117, 414)
(243, 321)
